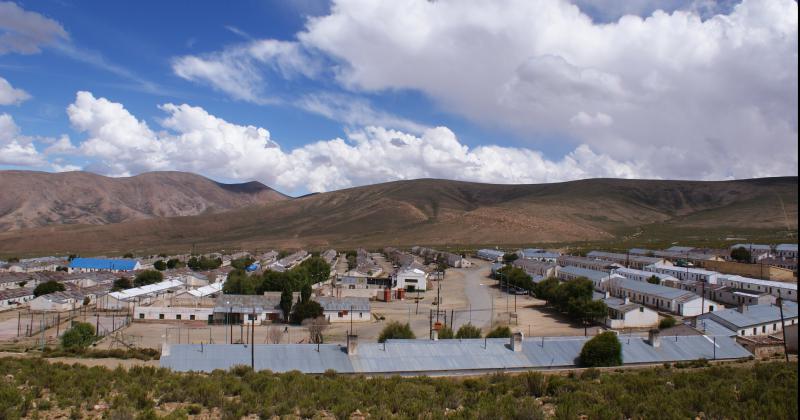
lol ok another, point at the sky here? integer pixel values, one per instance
(310, 96)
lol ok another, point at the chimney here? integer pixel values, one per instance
(352, 344)
(516, 341)
(742, 308)
(435, 335)
(607, 294)
(626, 301)
(654, 338)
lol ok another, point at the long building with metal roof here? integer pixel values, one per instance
(441, 357)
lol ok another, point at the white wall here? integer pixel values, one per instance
(358, 316)
(170, 313)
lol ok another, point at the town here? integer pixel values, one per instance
(411, 311)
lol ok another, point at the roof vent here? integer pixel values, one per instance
(516, 341)
(654, 338)
(352, 344)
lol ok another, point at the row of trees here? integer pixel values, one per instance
(311, 271)
(395, 330)
(515, 277)
(573, 297)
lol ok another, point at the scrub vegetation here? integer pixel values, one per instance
(31, 388)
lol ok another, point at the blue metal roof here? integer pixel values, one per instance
(103, 264)
(442, 357)
(252, 267)
(753, 315)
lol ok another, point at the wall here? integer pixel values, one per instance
(358, 316)
(170, 312)
(756, 271)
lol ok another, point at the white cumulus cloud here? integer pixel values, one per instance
(191, 139)
(10, 95)
(16, 149)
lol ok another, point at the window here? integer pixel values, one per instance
(741, 333)
(774, 327)
(360, 314)
(141, 316)
(178, 316)
(763, 329)
(641, 309)
(160, 316)
(755, 331)
(251, 317)
(191, 317)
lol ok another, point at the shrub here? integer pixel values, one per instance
(121, 283)
(446, 333)
(499, 332)
(147, 277)
(395, 330)
(48, 287)
(667, 322)
(78, 337)
(468, 331)
(602, 350)
(160, 265)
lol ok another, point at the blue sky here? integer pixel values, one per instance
(312, 96)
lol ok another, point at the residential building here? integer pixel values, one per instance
(597, 277)
(754, 320)
(587, 263)
(626, 260)
(456, 260)
(139, 295)
(329, 256)
(757, 251)
(782, 262)
(490, 254)
(58, 301)
(290, 261)
(411, 279)
(536, 267)
(536, 254)
(781, 289)
(788, 251)
(727, 295)
(15, 298)
(687, 274)
(642, 275)
(173, 313)
(345, 309)
(662, 298)
(622, 313)
(86, 265)
(245, 309)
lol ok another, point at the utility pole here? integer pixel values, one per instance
(779, 301)
(253, 342)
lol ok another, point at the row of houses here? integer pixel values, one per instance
(451, 259)
(290, 261)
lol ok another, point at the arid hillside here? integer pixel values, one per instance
(443, 212)
(34, 199)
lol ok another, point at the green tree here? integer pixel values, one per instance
(305, 293)
(446, 333)
(316, 269)
(305, 310)
(160, 265)
(241, 283)
(546, 289)
(48, 287)
(654, 280)
(741, 254)
(121, 283)
(173, 263)
(468, 331)
(78, 337)
(516, 277)
(667, 322)
(286, 303)
(509, 257)
(128, 255)
(242, 263)
(395, 330)
(602, 350)
(147, 277)
(499, 332)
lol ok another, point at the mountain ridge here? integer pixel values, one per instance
(432, 211)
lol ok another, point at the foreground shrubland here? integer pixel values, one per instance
(30, 387)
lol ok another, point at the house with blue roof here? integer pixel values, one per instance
(88, 265)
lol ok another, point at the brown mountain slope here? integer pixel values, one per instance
(33, 199)
(442, 212)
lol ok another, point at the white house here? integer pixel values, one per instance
(57, 302)
(622, 313)
(173, 313)
(345, 309)
(788, 251)
(641, 275)
(627, 260)
(754, 319)
(410, 279)
(598, 278)
(685, 273)
(490, 254)
(780, 289)
(15, 298)
(662, 298)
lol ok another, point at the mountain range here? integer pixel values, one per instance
(156, 211)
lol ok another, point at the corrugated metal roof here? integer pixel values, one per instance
(146, 290)
(753, 315)
(440, 357)
(786, 247)
(330, 303)
(207, 290)
(664, 292)
(103, 264)
(593, 275)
